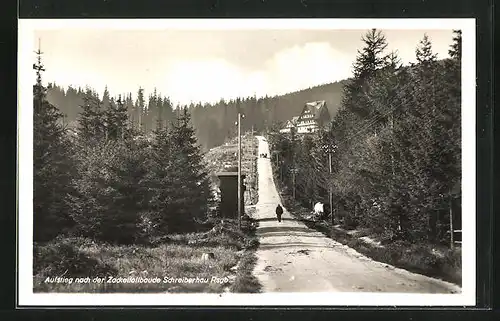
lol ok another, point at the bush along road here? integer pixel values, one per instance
(295, 258)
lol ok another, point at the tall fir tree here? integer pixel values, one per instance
(368, 61)
(455, 51)
(140, 106)
(117, 120)
(91, 125)
(52, 165)
(196, 194)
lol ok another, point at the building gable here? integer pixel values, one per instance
(313, 114)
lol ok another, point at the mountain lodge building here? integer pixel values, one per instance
(313, 116)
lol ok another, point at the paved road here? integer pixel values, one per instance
(295, 258)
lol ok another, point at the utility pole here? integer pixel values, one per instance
(329, 149)
(330, 187)
(452, 242)
(279, 165)
(239, 170)
(253, 143)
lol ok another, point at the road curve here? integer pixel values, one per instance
(294, 258)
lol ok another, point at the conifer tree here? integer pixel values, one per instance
(368, 61)
(140, 108)
(106, 99)
(52, 165)
(112, 197)
(160, 118)
(91, 126)
(117, 120)
(167, 110)
(455, 51)
(195, 195)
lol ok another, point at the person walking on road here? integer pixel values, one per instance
(279, 212)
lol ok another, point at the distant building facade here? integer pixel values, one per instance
(290, 124)
(313, 116)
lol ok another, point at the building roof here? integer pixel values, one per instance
(292, 122)
(315, 107)
(231, 174)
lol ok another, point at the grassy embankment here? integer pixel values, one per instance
(181, 256)
(426, 259)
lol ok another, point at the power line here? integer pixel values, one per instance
(376, 118)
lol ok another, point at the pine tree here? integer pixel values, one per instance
(178, 182)
(167, 109)
(424, 144)
(106, 99)
(455, 51)
(368, 61)
(165, 184)
(129, 104)
(370, 58)
(91, 127)
(424, 55)
(112, 197)
(140, 108)
(117, 120)
(159, 114)
(192, 202)
(52, 165)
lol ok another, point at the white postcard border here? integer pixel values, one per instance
(26, 297)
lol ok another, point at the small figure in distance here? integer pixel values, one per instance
(279, 212)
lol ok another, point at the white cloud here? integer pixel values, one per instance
(289, 70)
(191, 66)
(202, 80)
(305, 66)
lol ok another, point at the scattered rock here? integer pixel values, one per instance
(272, 269)
(174, 289)
(305, 252)
(207, 256)
(371, 241)
(437, 253)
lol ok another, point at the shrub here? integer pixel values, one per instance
(63, 257)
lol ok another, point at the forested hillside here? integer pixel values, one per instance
(395, 147)
(112, 198)
(213, 123)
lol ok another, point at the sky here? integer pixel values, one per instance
(207, 65)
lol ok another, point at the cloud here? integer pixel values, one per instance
(202, 80)
(289, 70)
(304, 66)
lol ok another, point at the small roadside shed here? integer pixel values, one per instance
(229, 193)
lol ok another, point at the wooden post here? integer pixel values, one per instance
(239, 170)
(330, 186)
(452, 242)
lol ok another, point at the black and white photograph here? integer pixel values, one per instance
(247, 162)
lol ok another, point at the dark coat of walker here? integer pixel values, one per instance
(279, 212)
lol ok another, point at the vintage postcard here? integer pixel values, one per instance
(250, 162)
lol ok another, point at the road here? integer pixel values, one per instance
(294, 258)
